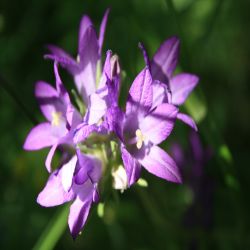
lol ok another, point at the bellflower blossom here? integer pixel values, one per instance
(175, 88)
(193, 160)
(76, 181)
(143, 129)
(192, 163)
(102, 112)
(62, 118)
(107, 141)
(84, 68)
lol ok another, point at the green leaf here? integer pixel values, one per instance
(196, 107)
(225, 153)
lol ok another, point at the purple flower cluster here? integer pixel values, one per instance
(101, 138)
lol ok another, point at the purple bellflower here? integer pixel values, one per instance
(143, 129)
(192, 163)
(76, 181)
(174, 88)
(62, 118)
(90, 142)
(101, 115)
(84, 68)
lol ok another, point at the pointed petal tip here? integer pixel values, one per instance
(131, 182)
(172, 41)
(178, 179)
(192, 78)
(50, 47)
(107, 11)
(196, 128)
(162, 165)
(109, 53)
(26, 146)
(197, 79)
(74, 234)
(174, 38)
(78, 215)
(39, 137)
(39, 200)
(145, 55)
(140, 45)
(54, 58)
(49, 57)
(188, 120)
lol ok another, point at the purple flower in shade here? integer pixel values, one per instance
(101, 115)
(106, 96)
(62, 118)
(192, 164)
(143, 128)
(84, 68)
(175, 89)
(77, 181)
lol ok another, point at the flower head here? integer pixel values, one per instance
(100, 139)
(76, 181)
(84, 68)
(168, 87)
(61, 117)
(143, 128)
(102, 113)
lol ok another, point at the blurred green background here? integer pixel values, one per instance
(214, 45)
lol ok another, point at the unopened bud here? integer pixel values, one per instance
(120, 180)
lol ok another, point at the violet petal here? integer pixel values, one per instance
(85, 23)
(132, 166)
(140, 93)
(158, 125)
(187, 120)
(67, 172)
(53, 193)
(159, 163)
(181, 86)
(41, 136)
(78, 215)
(165, 59)
(102, 30)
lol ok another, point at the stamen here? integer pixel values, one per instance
(78, 58)
(56, 117)
(140, 138)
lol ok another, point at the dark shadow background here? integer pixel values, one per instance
(215, 45)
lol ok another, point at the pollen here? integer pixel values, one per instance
(56, 117)
(140, 138)
(78, 58)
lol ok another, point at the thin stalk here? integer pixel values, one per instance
(53, 231)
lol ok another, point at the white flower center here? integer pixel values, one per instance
(78, 59)
(56, 118)
(140, 138)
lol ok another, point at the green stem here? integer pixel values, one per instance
(53, 231)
